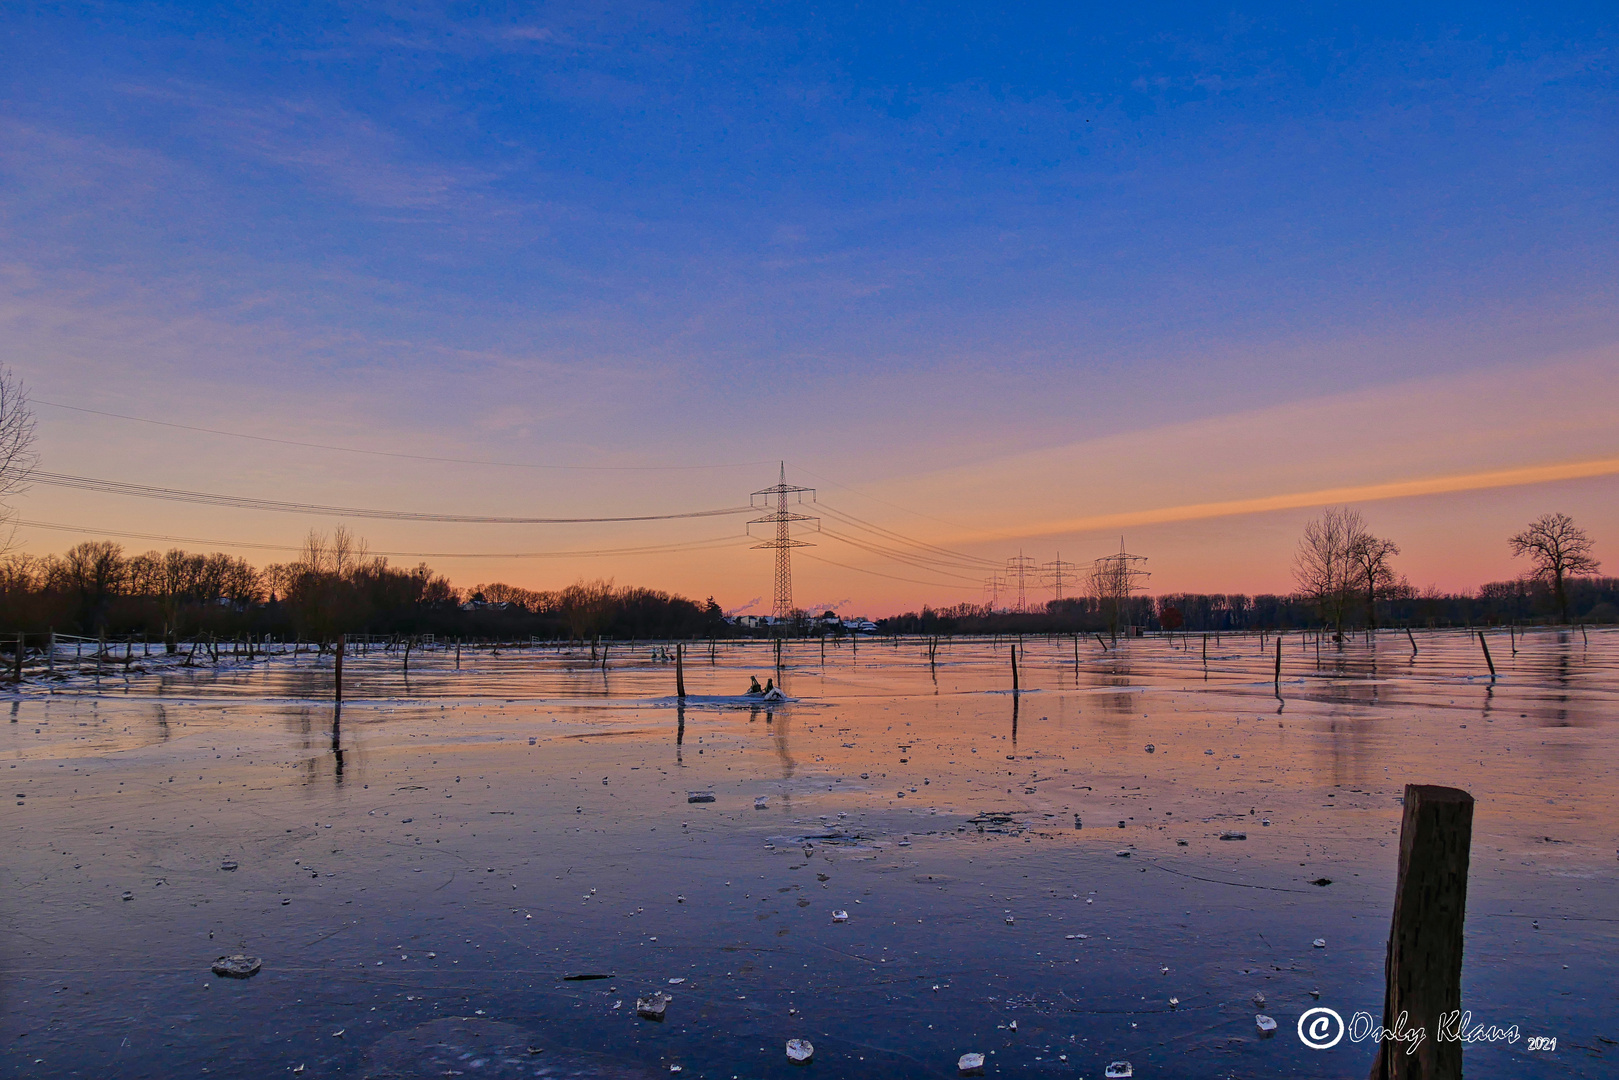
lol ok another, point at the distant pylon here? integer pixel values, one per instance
(992, 591)
(783, 542)
(1061, 575)
(1018, 568)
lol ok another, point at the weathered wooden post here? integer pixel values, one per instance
(1278, 663)
(22, 645)
(1412, 640)
(680, 671)
(1423, 971)
(1485, 645)
(1013, 649)
(338, 669)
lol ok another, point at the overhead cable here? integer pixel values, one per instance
(243, 502)
(651, 549)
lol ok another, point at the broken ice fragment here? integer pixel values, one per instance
(653, 1008)
(236, 967)
(699, 796)
(1266, 1026)
(1119, 1070)
(970, 1064)
(799, 1051)
(1320, 943)
(840, 916)
(1233, 836)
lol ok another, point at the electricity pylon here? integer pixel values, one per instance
(782, 543)
(1020, 568)
(1113, 579)
(992, 590)
(1061, 574)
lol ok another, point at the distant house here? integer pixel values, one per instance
(485, 605)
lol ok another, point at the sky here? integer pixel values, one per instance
(998, 281)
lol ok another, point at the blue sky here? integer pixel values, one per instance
(877, 240)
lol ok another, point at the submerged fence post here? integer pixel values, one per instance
(1278, 663)
(1412, 640)
(1014, 668)
(1423, 970)
(680, 671)
(1486, 647)
(338, 669)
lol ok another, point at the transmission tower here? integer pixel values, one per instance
(1019, 568)
(992, 590)
(782, 543)
(1113, 579)
(1062, 575)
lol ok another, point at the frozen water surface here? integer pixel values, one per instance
(417, 875)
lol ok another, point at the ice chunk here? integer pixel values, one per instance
(236, 967)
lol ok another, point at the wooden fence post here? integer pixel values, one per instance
(338, 669)
(1013, 648)
(1486, 647)
(680, 671)
(1423, 970)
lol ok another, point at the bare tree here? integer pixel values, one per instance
(17, 456)
(1374, 572)
(94, 570)
(1325, 567)
(1557, 549)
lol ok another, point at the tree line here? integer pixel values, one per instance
(1345, 577)
(332, 587)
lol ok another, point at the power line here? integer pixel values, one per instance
(879, 573)
(885, 502)
(244, 502)
(651, 549)
(920, 564)
(393, 454)
(959, 556)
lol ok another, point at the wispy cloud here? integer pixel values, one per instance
(1295, 500)
(326, 144)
